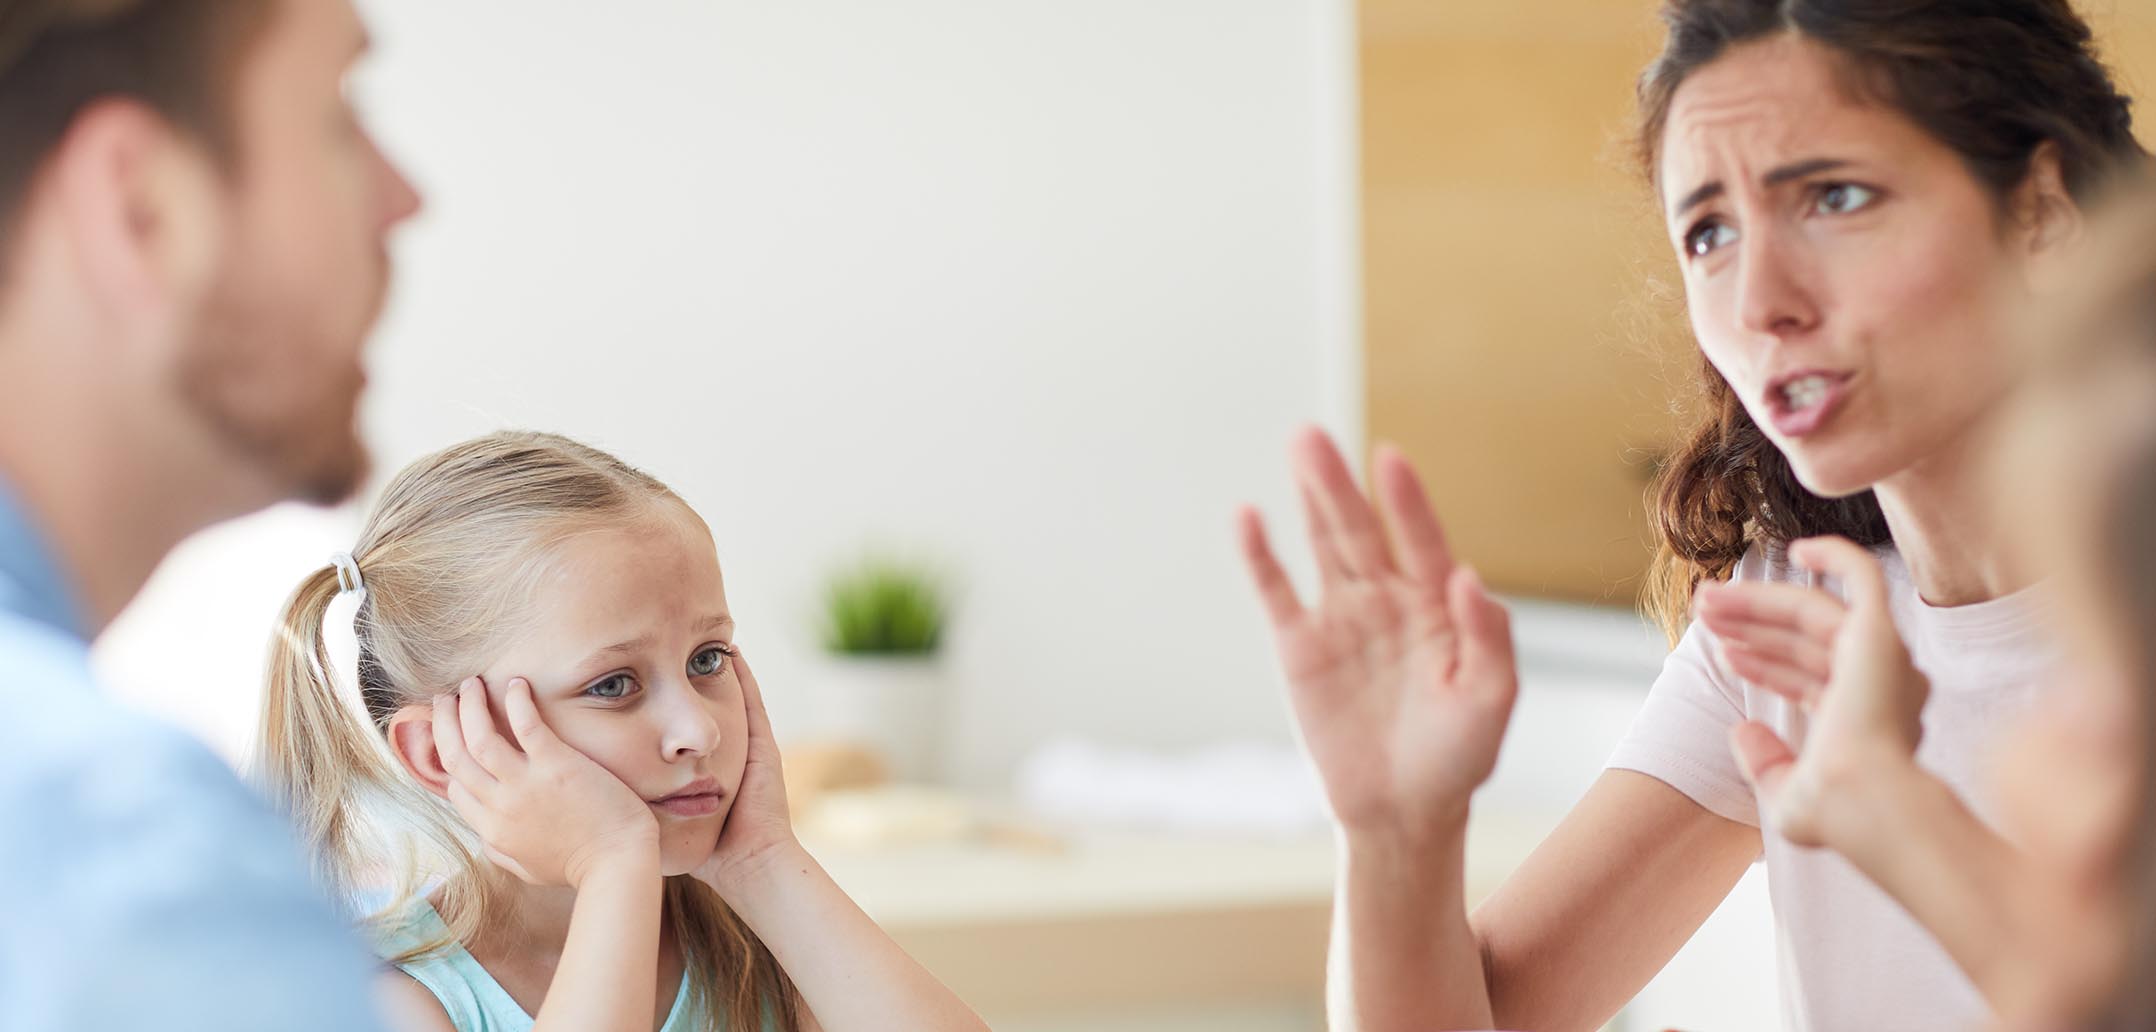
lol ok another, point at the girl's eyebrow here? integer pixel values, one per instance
(643, 641)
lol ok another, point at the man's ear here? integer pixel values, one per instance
(411, 737)
(140, 202)
(2049, 221)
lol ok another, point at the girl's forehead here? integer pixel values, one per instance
(637, 580)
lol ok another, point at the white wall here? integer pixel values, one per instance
(1036, 286)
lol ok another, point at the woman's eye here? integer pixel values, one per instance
(708, 662)
(1843, 198)
(1706, 237)
(619, 686)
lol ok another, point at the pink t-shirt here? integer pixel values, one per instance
(1849, 956)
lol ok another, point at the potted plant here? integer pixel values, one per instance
(883, 687)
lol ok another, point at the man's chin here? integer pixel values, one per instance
(336, 480)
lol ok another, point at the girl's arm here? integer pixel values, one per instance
(609, 970)
(851, 975)
(553, 817)
(1856, 788)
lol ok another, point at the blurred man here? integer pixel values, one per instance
(192, 251)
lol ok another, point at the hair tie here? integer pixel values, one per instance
(349, 581)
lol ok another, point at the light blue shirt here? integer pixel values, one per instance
(474, 1001)
(142, 885)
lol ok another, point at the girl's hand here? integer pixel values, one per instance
(544, 811)
(759, 827)
(1845, 665)
(1402, 676)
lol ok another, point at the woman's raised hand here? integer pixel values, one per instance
(1401, 676)
(545, 812)
(1845, 665)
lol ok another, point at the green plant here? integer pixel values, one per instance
(884, 606)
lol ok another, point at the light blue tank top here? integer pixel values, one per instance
(474, 1001)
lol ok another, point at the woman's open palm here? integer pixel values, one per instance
(1402, 675)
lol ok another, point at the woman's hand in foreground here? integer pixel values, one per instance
(1401, 675)
(1845, 665)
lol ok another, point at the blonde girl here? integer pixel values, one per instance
(558, 763)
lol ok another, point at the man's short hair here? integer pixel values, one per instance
(57, 57)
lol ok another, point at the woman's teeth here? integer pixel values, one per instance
(1804, 393)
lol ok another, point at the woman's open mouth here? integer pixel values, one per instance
(1800, 403)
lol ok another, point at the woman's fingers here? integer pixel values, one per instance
(1764, 758)
(1282, 606)
(1324, 542)
(1357, 535)
(1765, 672)
(1794, 607)
(1485, 629)
(1423, 550)
(1848, 562)
(1805, 652)
(487, 747)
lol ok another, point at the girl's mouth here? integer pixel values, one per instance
(702, 804)
(700, 799)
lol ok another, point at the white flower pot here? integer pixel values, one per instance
(893, 705)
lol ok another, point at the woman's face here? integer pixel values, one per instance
(1839, 263)
(628, 650)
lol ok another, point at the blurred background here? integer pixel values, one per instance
(1029, 295)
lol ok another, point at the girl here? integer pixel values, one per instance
(559, 761)
(1843, 182)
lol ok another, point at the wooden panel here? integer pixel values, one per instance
(1511, 350)
(1525, 332)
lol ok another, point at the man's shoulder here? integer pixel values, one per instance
(129, 850)
(87, 782)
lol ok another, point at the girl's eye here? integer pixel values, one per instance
(614, 686)
(709, 661)
(1704, 238)
(1843, 198)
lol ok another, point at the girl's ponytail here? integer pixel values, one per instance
(316, 755)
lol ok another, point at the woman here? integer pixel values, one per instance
(2076, 790)
(1843, 182)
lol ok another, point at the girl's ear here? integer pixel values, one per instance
(411, 737)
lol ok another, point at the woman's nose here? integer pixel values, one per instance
(1773, 297)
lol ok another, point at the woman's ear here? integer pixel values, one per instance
(411, 737)
(2050, 222)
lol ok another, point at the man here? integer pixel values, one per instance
(192, 251)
